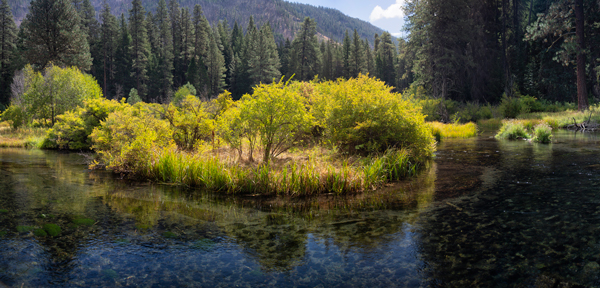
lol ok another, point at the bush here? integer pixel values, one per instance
(511, 107)
(362, 115)
(190, 122)
(513, 131)
(72, 129)
(542, 133)
(128, 138)
(184, 91)
(278, 114)
(15, 115)
(134, 97)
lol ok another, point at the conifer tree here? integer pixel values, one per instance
(109, 35)
(237, 39)
(8, 38)
(164, 55)
(306, 51)
(187, 45)
(346, 50)
(215, 64)
(369, 60)
(386, 59)
(201, 33)
(328, 68)
(263, 59)
(123, 61)
(284, 57)
(357, 57)
(65, 46)
(139, 48)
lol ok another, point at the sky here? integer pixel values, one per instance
(385, 14)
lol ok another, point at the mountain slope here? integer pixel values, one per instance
(285, 17)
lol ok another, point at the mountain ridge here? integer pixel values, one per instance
(285, 17)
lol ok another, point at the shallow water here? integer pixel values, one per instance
(487, 213)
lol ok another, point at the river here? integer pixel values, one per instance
(486, 213)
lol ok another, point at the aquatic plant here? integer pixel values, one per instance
(453, 130)
(40, 233)
(3, 211)
(52, 229)
(542, 133)
(83, 221)
(24, 228)
(513, 131)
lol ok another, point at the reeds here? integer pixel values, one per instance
(297, 178)
(453, 130)
(22, 137)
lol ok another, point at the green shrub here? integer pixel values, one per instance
(511, 107)
(14, 115)
(72, 129)
(128, 138)
(52, 229)
(184, 91)
(190, 122)
(278, 114)
(542, 133)
(134, 97)
(512, 131)
(362, 115)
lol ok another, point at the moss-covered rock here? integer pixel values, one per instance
(52, 229)
(40, 233)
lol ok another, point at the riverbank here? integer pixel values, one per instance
(21, 137)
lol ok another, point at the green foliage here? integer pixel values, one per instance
(52, 229)
(24, 228)
(128, 138)
(512, 131)
(542, 133)
(72, 129)
(182, 92)
(362, 115)
(511, 107)
(278, 114)
(40, 233)
(133, 98)
(15, 115)
(57, 91)
(190, 122)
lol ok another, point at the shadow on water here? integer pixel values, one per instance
(487, 213)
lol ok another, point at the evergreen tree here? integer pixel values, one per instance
(176, 32)
(263, 59)
(369, 60)
(237, 39)
(328, 62)
(284, 57)
(164, 55)
(357, 57)
(8, 39)
(306, 51)
(386, 58)
(187, 45)
(123, 65)
(139, 49)
(201, 34)
(346, 50)
(109, 35)
(66, 45)
(215, 65)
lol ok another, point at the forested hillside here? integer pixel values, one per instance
(285, 17)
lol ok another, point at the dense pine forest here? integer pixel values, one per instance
(463, 50)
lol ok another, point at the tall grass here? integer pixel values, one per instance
(22, 137)
(453, 130)
(313, 176)
(513, 130)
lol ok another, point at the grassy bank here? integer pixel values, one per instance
(21, 137)
(306, 172)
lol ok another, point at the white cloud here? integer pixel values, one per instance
(394, 11)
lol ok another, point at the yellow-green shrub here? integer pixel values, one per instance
(363, 115)
(72, 129)
(190, 122)
(127, 140)
(278, 114)
(15, 115)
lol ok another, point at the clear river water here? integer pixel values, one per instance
(487, 213)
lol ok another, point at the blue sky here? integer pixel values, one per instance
(385, 14)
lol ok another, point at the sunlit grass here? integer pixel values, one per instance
(293, 174)
(489, 124)
(21, 137)
(561, 119)
(513, 130)
(453, 130)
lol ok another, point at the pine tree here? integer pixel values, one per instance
(109, 35)
(386, 58)
(164, 55)
(328, 62)
(263, 59)
(65, 46)
(8, 38)
(139, 48)
(176, 32)
(346, 50)
(306, 51)
(123, 61)
(215, 65)
(201, 33)
(237, 39)
(187, 44)
(284, 57)
(357, 57)
(369, 61)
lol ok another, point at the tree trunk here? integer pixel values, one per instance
(581, 88)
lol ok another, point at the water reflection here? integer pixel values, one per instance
(487, 213)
